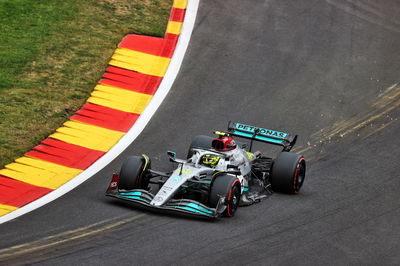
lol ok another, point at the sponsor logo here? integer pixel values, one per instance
(262, 131)
(182, 171)
(176, 179)
(113, 184)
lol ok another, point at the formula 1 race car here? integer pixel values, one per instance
(218, 175)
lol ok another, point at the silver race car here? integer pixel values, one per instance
(217, 177)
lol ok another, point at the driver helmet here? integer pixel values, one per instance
(210, 160)
(224, 143)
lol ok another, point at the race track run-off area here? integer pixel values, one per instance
(137, 79)
(325, 70)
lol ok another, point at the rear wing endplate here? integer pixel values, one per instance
(283, 139)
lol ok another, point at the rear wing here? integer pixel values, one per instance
(283, 139)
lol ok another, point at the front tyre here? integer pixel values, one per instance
(229, 188)
(133, 174)
(288, 173)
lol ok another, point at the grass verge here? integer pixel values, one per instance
(52, 54)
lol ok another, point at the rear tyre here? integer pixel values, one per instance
(133, 174)
(200, 141)
(288, 173)
(228, 187)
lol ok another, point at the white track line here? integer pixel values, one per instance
(133, 133)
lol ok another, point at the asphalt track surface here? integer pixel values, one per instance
(326, 70)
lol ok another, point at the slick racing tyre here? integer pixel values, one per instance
(288, 173)
(228, 187)
(133, 174)
(200, 141)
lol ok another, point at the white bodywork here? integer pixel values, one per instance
(193, 168)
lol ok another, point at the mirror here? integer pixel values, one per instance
(172, 156)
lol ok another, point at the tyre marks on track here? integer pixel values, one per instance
(369, 11)
(50, 246)
(384, 112)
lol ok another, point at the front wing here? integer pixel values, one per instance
(143, 198)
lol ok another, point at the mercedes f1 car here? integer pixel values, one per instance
(217, 176)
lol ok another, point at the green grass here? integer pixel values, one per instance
(53, 52)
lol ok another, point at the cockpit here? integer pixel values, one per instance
(207, 158)
(210, 160)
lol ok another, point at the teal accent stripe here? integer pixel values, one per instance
(258, 137)
(193, 207)
(135, 197)
(245, 189)
(133, 193)
(192, 210)
(200, 208)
